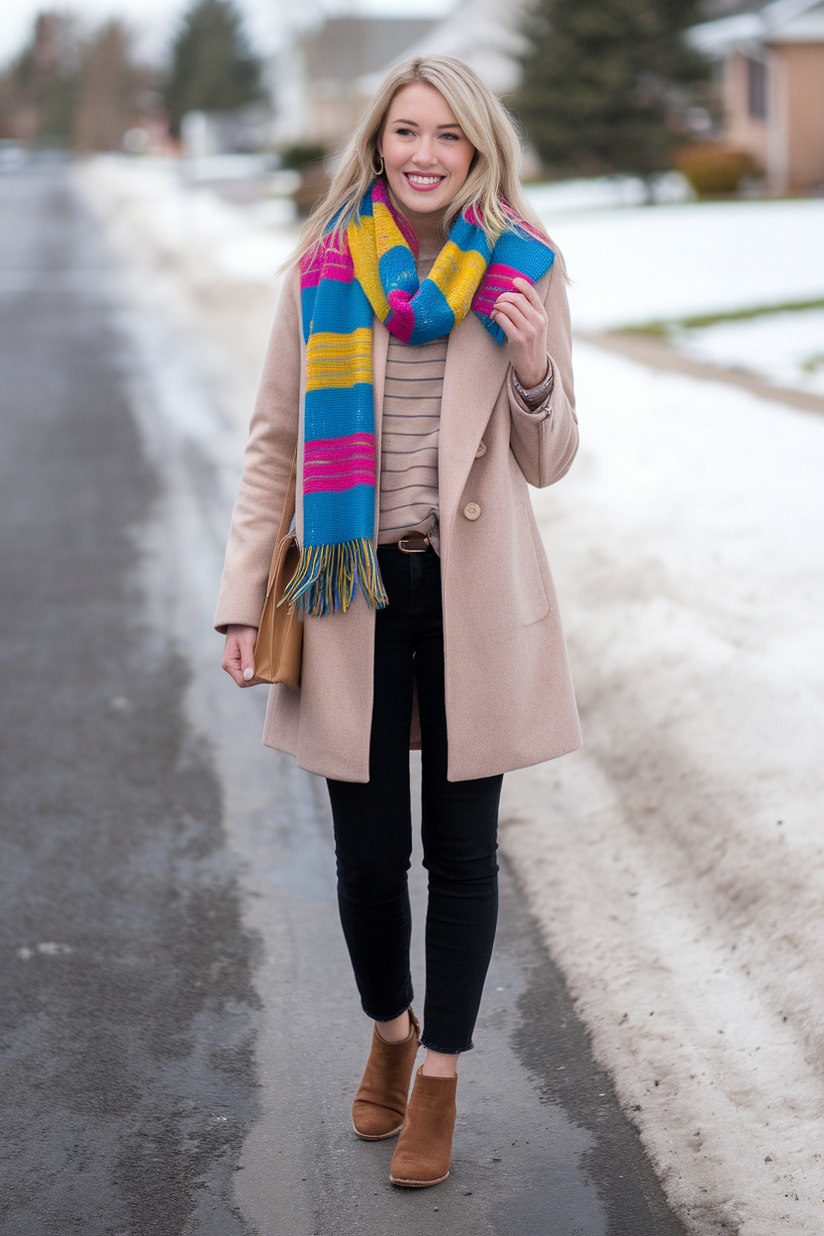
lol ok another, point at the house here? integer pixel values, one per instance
(773, 88)
(318, 99)
(485, 34)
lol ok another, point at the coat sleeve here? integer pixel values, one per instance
(545, 442)
(267, 463)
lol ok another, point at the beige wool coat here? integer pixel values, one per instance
(509, 698)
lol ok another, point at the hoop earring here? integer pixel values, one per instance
(379, 172)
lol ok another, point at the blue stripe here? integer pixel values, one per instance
(396, 270)
(524, 253)
(337, 413)
(334, 518)
(433, 315)
(341, 307)
(365, 208)
(307, 305)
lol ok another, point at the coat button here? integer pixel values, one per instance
(481, 451)
(472, 510)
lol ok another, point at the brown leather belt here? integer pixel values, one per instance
(414, 543)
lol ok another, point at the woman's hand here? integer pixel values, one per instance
(239, 655)
(522, 318)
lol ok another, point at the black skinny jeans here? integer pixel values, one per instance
(373, 828)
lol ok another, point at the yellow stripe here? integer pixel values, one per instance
(362, 246)
(457, 273)
(338, 361)
(387, 232)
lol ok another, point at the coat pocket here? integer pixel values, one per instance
(531, 599)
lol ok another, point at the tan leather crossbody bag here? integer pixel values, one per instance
(279, 646)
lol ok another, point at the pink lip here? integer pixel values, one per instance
(422, 188)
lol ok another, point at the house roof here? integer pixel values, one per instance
(485, 34)
(344, 48)
(782, 21)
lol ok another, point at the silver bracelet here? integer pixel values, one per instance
(539, 393)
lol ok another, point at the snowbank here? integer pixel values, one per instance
(219, 261)
(150, 200)
(639, 264)
(676, 863)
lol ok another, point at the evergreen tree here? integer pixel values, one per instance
(606, 83)
(213, 68)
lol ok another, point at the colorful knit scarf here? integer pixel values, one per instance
(344, 281)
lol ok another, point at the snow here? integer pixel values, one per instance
(785, 348)
(639, 264)
(602, 192)
(675, 863)
(152, 202)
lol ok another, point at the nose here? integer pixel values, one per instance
(425, 155)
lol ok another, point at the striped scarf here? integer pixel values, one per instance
(371, 270)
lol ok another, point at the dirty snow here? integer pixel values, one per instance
(675, 864)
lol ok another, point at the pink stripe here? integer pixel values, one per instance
(317, 473)
(357, 452)
(335, 448)
(498, 278)
(334, 466)
(342, 464)
(505, 272)
(325, 262)
(334, 484)
(401, 321)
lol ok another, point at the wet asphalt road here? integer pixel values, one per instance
(181, 1038)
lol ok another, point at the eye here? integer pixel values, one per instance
(403, 132)
(453, 137)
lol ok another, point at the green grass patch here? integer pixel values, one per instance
(665, 327)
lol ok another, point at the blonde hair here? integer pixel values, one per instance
(493, 185)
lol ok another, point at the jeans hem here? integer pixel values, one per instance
(403, 1009)
(446, 1051)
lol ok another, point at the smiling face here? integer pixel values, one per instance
(426, 155)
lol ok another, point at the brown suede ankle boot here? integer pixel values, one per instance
(380, 1104)
(424, 1152)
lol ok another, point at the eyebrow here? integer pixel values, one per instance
(453, 125)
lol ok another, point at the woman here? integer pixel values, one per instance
(421, 408)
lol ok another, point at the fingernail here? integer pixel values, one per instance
(248, 672)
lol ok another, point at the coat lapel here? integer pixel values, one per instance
(476, 367)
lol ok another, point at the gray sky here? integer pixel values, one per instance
(154, 20)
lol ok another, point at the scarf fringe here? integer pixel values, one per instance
(328, 575)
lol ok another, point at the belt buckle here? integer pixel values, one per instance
(415, 543)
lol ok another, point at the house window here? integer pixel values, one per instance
(757, 89)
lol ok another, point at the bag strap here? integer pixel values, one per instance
(288, 502)
(285, 517)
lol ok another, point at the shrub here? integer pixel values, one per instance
(296, 157)
(712, 168)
